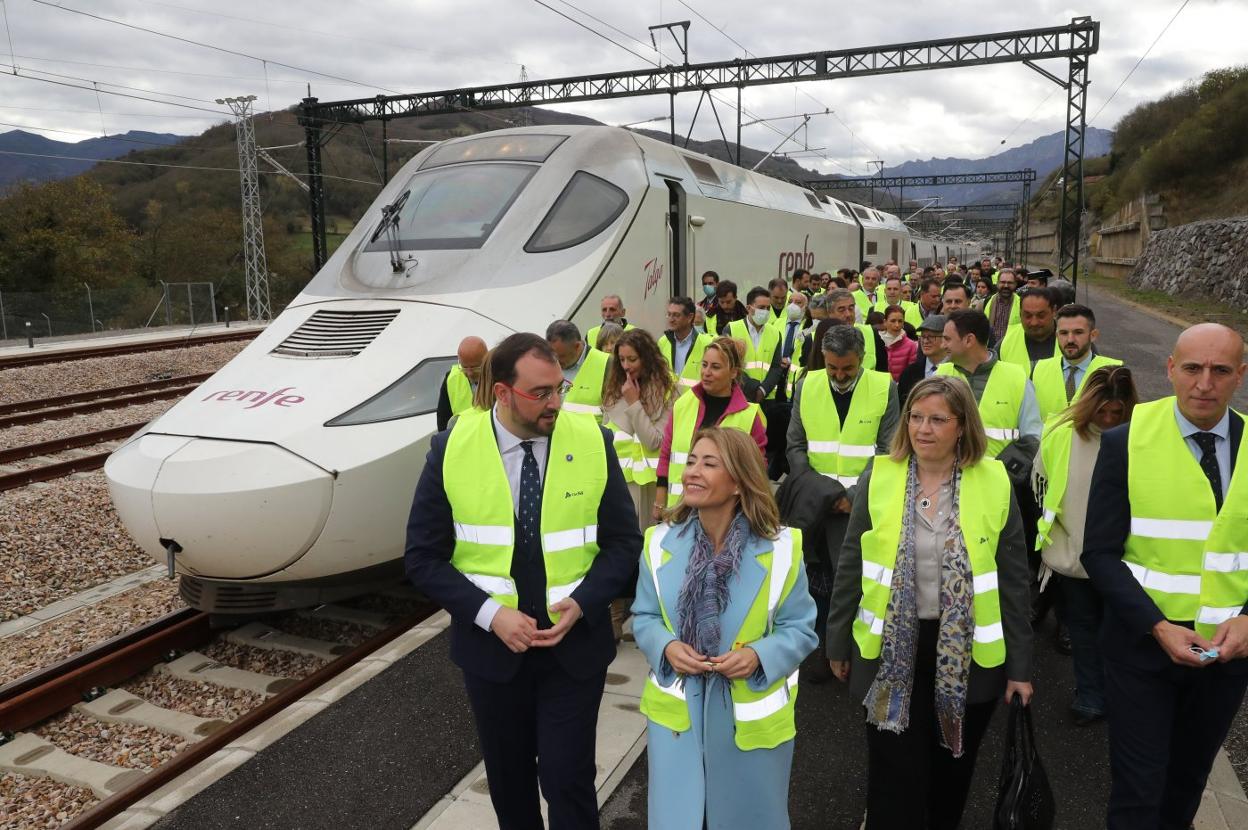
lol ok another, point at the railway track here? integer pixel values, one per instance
(15, 361)
(170, 645)
(98, 400)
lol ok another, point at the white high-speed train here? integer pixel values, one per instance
(286, 478)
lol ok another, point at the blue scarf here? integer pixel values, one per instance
(704, 592)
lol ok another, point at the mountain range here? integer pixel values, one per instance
(25, 156)
(1044, 155)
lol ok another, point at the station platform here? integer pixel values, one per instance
(70, 343)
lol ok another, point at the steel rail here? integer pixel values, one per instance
(37, 404)
(110, 807)
(94, 406)
(38, 696)
(48, 472)
(85, 439)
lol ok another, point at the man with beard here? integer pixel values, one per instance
(1059, 380)
(521, 526)
(1003, 308)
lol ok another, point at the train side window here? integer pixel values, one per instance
(583, 210)
(873, 248)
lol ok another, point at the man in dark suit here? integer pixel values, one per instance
(1166, 505)
(931, 354)
(523, 529)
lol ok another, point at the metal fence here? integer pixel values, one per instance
(90, 310)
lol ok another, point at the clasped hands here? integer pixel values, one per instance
(1230, 638)
(737, 664)
(519, 631)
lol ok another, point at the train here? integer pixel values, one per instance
(286, 479)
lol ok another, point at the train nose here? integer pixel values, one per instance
(238, 510)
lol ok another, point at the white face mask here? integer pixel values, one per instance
(795, 312)
(759, 316)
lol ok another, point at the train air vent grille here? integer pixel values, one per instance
(331, 333)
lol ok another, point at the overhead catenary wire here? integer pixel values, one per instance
(1147, 51)
(203, 45)
(852, 135)
(613, 42)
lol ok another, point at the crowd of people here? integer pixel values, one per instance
(880, 476)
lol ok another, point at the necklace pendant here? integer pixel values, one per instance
(925, 503)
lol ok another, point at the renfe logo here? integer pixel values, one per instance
(790, 261)
(257, 398)
(654, 272)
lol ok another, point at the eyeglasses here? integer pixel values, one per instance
(917, 419)
(561, 390)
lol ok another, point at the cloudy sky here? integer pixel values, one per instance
(352, 50)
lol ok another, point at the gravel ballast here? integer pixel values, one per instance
(25, 434)
(28, 803)
(59, 539)
(116, 744)
(77, 631)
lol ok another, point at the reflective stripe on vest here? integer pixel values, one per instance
(484, 519)
(757, 360)
(836, 451)
(684, 418)
(1049, 381)
(987, 487)
(458, 390)
(1183, 552)
(1000, 403)
(585, 396)
(1055, 455)
(763, 719)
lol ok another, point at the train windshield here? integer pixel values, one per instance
(457, 207)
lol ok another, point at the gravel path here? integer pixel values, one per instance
(65, 636)
(118, 744)
(56, 541)
(30, 382)
(18, 436)
(30, 803)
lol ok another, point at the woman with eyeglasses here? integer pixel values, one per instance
(716, 400)
(724, 618)
(930, 617)
(1061, 479)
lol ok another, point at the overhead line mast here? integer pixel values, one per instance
(256, 263)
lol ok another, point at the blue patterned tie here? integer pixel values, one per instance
(530, 510)
(1207, 442)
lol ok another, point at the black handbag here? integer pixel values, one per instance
(1024, 797)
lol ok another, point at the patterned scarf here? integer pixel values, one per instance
(704, 592)
(888, 699)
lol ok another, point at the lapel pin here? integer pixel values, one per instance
(569, 456)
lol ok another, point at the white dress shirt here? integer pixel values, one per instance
(513, 461)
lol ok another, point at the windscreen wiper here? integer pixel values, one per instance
(390, 227)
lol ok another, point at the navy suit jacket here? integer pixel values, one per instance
(1130, 614)
(589, 646)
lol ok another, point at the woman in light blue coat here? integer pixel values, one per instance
(724, 618)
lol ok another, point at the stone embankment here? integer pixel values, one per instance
(1204, 260)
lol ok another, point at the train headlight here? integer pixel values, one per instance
(416, 393)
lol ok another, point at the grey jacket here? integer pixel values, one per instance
(1014, 585)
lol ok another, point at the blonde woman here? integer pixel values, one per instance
(716, 400)
(930, 613)
(724, 618)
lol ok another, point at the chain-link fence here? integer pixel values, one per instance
(90, 310)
